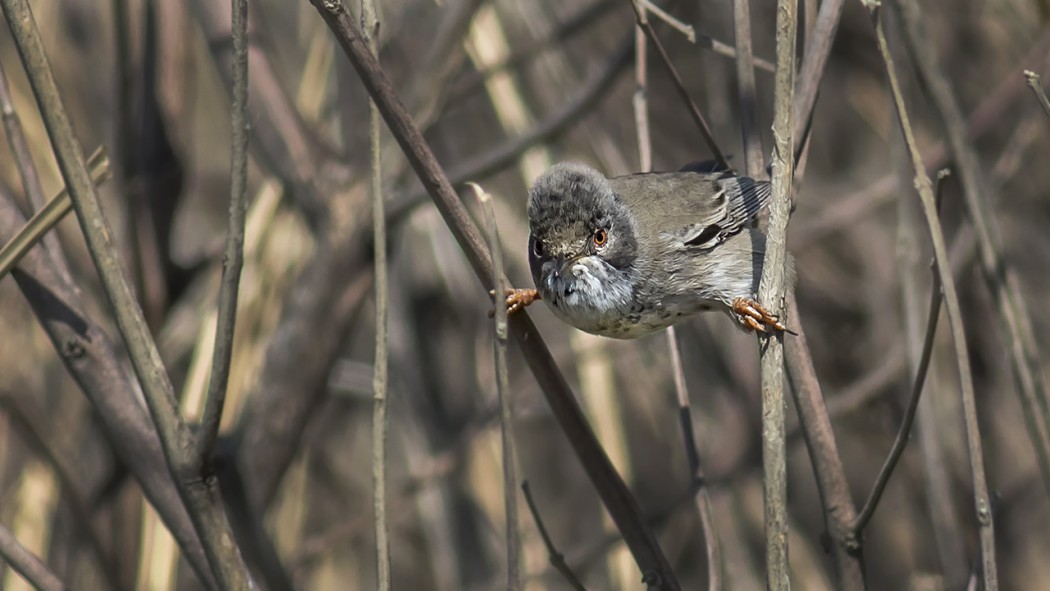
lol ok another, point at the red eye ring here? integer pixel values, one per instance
(600, 237)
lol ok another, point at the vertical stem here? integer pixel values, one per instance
(745, 80)
(982, 503)
(233, 256)
(369, 30)
(200, 495)
(771, 293)
(506, 409)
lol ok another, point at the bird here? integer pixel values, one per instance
(624, 257)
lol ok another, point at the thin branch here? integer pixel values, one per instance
(177, 440)
(694, 111)
(771, 291)
(982, 502)
(1032, 79)
(754, 161)
(92, 361)
(998, 272)
(818, 48)
(233, 256)
(702, 498)
(557, 559)
(369, 30)
(615, 495)
(23, 158)
(48, 216)
(27, 564)
(674, 23)
(506, 412)
(819, 435)
(913, 401)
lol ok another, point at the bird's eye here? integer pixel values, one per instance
(600, 237)
(537, 247)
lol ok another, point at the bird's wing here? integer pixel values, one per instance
(700, 209)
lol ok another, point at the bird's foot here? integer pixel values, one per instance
(754, 317)
(516, 299)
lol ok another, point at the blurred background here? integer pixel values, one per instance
(503, 89)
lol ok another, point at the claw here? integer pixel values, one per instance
(756, 318)
(516, 299)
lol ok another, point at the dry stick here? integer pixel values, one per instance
(771, 291)
(754, 161)
(694, 111)
(617, 498)
(557, 559)
(233, 256)
(506, 412)
(47, 217)
(839, 510)
(370, 29)
(812, 69)
(91, 360)
(998, 272)
(23, 158)
(903, 433)
(1033, 82)
(982, 502)
(702, 498)
(282, 141)
(27, 564)
(201, 497)
(687, 30)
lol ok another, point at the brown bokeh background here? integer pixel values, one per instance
(478, 75)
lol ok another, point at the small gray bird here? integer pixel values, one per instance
(627, 256)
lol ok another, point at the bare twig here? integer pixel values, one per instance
(27, 564)
(506, 414)
(205, 505)
(998, 272)
(694, 111)
(810, 72)
(614, 493)
(685, 416)
(675, 24)
(702, 498)
(280, 138)
(1032, 79)
(982, 501)
(369, 30)
(48, 216)
(233, 256)
(839, 510)
(754, 161)
(771, 292)
(92, 361)
(23, 158)
(913, 401)
(557, 559)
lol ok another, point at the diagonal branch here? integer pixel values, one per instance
(202, 499)
(616, 496)
(982, 502)
(998, 272)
